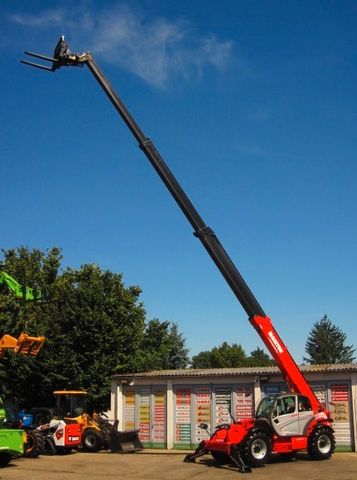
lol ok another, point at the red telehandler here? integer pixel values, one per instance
(285, 424)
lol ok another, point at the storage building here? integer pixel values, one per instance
(168, 406)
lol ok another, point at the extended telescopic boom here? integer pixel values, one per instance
(64, 57)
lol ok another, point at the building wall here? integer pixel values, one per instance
(168, 411)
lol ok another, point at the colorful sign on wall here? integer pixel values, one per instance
(144, 415)
(202, 411)
(129, 409)
(159, 417)
(320, 392)
(244, 402)
(339, 405)
(223, 405)
(183, 415)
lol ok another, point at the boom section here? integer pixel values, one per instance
(204, 233)
(295, 379)
(63, 57)
(290, 370)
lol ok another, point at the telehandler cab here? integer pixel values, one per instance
(278, 426)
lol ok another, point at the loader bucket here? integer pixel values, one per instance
(125, 442)
(29, 345)
(25, 344)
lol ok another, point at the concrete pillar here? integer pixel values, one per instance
(169, 415)
(116, 403)
(257, 391)
(354, 408)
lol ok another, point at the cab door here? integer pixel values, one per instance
(285, 416)
(306, 413)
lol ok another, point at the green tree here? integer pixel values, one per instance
(258, 358)
(326, 344)
(202, 360)
(94, 326)
(227, 356)
(163, 347)
(224, 356)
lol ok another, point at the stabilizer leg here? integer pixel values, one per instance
(191, 457)
(238, 460)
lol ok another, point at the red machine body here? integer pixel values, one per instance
(291, 372)
(60, 436)
(284, 424)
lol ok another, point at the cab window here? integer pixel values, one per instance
(265, 407)
(304, 404)
(284, 405)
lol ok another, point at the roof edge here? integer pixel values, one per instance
(242, 371)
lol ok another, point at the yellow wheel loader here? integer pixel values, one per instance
(97, 431)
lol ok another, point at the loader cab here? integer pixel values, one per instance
(70, 403)
(287, 414)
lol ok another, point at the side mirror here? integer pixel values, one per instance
(204, 426)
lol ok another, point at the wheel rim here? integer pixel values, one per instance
(259, 449)
(324, 443)
(90, 440)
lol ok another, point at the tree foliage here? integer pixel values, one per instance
(258, 358)
(231, 356)
(94, 326)
(163, 347)
(326, 344)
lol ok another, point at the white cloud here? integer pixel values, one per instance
(155, 49)
(218, 53)
(44, 19)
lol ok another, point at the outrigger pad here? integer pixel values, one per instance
(191, 457)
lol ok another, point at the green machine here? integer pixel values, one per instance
(19, 290)
(12, 441)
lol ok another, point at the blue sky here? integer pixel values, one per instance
(253, 106)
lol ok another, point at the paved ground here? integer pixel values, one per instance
(152, 465)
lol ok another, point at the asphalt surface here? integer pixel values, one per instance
(150, 465)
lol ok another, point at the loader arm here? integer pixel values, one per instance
(19, 290)
(295, 379)
(24, 344)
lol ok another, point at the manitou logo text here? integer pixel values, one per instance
(275, 342)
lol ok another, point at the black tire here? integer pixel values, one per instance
(321, 443)
(49, 446)
(221, 457)
(5, 458)
(92, 440)
(34, 445)
(256, 449)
